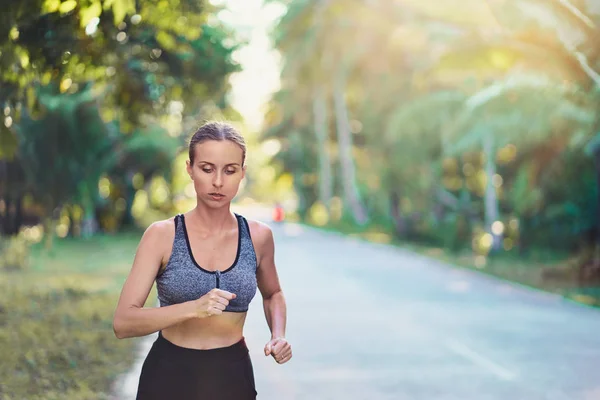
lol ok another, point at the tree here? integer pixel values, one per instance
(151, 68)
(435, 99)
(64, 152)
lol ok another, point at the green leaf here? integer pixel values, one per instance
(8, 143)
(67, 6)
(108, 4)
(120, 9)
(166, 40)
(524, 194)
(50, 6)
(522, 108)
(89, 13)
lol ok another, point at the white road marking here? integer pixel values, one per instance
(480, 360)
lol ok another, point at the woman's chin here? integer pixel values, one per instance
(216, 203)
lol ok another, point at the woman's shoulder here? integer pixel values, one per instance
(161, 230)
(259, 231)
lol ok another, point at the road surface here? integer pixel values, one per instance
(369, 321)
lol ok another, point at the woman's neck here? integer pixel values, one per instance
(213, 220)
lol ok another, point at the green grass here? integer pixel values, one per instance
(56, 338)
(543, 269)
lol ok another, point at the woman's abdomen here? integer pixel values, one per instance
(207, 333)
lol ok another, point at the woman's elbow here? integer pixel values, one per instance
(120, 329)
(117, 330)
(277, 294)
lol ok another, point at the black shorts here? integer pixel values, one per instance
(174, 372)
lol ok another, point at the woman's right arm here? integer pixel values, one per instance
(131, 319)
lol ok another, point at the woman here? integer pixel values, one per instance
(207, 264)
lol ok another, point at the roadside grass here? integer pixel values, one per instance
(56, 338)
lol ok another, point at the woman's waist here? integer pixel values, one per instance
(165, 347)
(212, 332)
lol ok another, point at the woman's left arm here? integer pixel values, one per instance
(273, 300)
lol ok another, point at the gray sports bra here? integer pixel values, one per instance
(183, 279)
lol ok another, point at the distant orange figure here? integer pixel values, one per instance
(278, 213)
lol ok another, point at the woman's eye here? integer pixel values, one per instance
(207, 170)
(231, 171)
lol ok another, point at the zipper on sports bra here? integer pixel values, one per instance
(218, 277)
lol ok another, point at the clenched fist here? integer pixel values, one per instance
(213, 303)
(280, 349)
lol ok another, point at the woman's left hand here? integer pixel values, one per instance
(280, 349)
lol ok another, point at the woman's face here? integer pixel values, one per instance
(217, 171)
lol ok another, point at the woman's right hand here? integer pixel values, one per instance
(213, 303)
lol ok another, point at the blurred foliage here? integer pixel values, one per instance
(98, 98)
(14, 253)
(56, 316)
(66, 149)
(140, 53)
(58, 344)
(473, 124)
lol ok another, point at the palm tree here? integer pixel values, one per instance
(522, 110)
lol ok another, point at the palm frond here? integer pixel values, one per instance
(524, 109)
(416, 117)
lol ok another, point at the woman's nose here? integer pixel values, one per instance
(218, 181)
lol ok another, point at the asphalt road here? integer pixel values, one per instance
(369, 321)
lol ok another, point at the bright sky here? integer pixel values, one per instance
(252, 87)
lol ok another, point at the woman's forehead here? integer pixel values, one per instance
(218, 151)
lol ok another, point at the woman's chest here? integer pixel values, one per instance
(215, 254)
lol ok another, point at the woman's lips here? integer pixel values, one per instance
(216, 196)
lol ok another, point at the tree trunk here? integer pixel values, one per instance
(3, 222)
(321, 132)
(297, 160)
(89, 225)
(6, 222)
(344, 137)
(491, 198)
(18, 217)
(12, 218)
(299, 188)
(49, 225)
(400, 222)
(127, 220)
